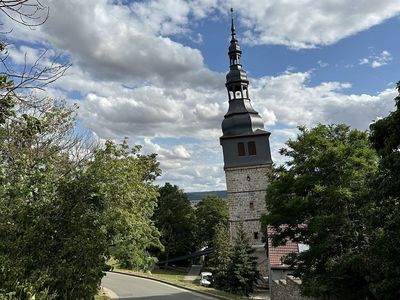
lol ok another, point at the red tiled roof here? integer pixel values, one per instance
(277, 254)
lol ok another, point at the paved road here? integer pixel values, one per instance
(130, 287)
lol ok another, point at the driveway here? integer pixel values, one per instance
(131, 287)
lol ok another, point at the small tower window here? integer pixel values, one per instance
(241, 150)
(255, 235)
(251, 205)
(252, 148)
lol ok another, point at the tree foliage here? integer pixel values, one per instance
(221, 259)
(384, 210)
(120, 180)
(65, 205)
(234, 266)
(62, 216)
(209, 213)
(243, 268)
(319, 199)
(174, 218)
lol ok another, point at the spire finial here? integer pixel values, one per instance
(233, 31)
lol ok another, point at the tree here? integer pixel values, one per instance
(60, 221)
(209, 213)
(174, 219)
(221, 258)
(31, 167)
(61, 213)
(383, 215)
(37, 227)
(319, 199)
(234, 267)
(243, 269)
(120, 180)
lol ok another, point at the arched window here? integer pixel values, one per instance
(252, 148)
(241, 150)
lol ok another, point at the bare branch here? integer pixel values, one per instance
(35, 76)
(29, 13)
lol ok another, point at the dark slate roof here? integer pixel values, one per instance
(241, 119)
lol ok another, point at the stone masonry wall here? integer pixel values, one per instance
(246, 188)
(287, 289)
(246, 198)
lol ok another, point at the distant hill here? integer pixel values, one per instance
(197, 196)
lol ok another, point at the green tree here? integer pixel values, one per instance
(209, 213)
(221, 259)
(62, 214)
(383, 215)
(174, 219)
(61, 220)
(243, 269)
(37, 228)
(121, 181)
(319, 199)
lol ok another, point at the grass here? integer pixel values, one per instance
(177, 279)
(101, 296)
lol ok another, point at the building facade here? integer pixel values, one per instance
(247, 155)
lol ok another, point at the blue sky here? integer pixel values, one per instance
(154, 70)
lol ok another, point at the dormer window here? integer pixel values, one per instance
(241, 149)
(252, 148)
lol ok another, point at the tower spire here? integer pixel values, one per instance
(241, 118)
(233, 30)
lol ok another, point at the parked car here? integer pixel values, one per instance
(205, 278)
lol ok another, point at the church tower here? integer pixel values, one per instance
(247, 155)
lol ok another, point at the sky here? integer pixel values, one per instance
(154, 71)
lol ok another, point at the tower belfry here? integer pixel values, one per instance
(247, 155)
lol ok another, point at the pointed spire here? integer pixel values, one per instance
(233, 30)
(234, 48)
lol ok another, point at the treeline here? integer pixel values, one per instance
(340, 194)
(185, 229)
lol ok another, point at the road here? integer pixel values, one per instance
(130, 287)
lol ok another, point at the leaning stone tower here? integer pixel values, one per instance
(247, 156)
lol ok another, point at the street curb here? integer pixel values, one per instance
(173, 284)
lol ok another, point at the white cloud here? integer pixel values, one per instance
(309, 23)
(181, 152)
(294, 102)
(376, 61)
(119, 43)
(285, 101)
(322, 64)
(297, 24)
(136, 80)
